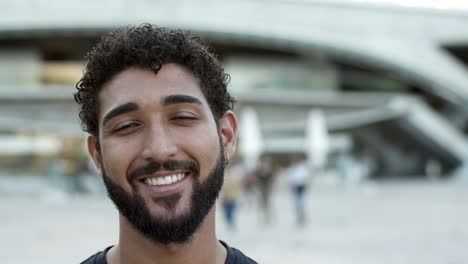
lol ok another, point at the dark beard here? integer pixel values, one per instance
(166, 231)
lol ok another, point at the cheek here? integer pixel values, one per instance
(203, 146)
(117, 156)
(208, 159)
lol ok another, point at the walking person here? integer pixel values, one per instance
(299, 175)
(230, 194)
(264, 177)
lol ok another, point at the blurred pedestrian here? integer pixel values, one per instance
(231, 192)
(249, 187)
(299, 176)
(264, 177)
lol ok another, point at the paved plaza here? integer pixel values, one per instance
(416, 222)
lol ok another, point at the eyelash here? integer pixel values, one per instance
(184, 118)
(124, 127)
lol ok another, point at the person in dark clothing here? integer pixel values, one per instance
(161, 131)
(264, 178)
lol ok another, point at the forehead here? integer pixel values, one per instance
(144, 87)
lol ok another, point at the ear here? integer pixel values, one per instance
(228, 132)
(94, 152)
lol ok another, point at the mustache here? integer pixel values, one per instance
(168, 165)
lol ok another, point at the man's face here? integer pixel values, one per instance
(161, 153)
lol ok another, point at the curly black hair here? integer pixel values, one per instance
(149, 47)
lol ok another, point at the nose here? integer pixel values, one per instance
(158, 145)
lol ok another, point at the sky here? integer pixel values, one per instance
(438, 4)
(443, 4)
(461, 5)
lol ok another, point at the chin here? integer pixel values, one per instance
(170, 207)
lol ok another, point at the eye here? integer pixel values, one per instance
(125, 127)
(184, 116)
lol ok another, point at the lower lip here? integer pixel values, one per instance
(167, 189)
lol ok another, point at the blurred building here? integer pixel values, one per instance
(390, 80)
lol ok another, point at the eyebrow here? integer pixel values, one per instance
(180, 99)
(119, 110)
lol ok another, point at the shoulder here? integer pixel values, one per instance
(235, 256)
(98, 258)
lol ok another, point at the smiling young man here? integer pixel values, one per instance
(162, 130)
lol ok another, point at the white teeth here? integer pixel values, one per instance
(165, 180)
(159, 181)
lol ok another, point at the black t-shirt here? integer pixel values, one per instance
(234, 256)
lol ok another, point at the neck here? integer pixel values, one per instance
(133, 247)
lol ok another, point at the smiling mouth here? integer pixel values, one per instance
(164, 180)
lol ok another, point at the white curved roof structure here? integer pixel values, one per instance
(405, 39)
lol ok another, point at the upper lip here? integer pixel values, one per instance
(161, 174)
